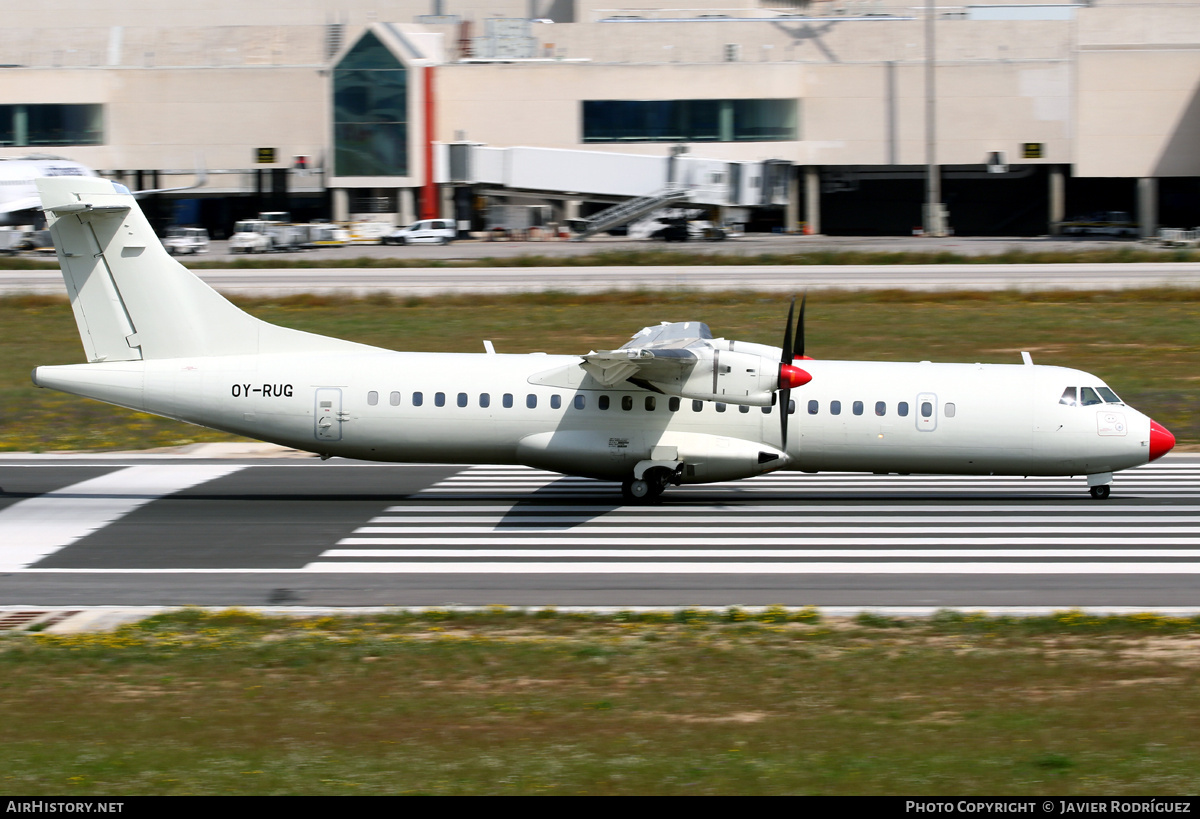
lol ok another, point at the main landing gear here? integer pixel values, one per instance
(1100, 492)
(650, 486)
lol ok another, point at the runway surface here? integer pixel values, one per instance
(781, 278)
(169, 531)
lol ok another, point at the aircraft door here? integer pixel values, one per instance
(327, 417)
(926, 412)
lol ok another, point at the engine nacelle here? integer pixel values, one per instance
(730, 376)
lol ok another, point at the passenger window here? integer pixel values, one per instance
(720, 407)
(439, 399)
(418, 399)
(627, 402)
(1088, 397)
(485, 400)
(650, 403)
(580, 401)
(791, 406)
(372, 398)
(858, 407)
(673, 404)
(531, 401)
(926, 409)
(507, 400)
(950, 410)
(743, 408)
(766, 410)
(902, 409)
(394, 399)
(812, 407)
(555, 401)
(881, 408)
(835, 407)
(462, 399)
(1068, 397)
(697, 406)
(604, 402)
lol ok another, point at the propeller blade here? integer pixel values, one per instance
(785, 401)
(798, 350)
(785, 359)
(787, 334)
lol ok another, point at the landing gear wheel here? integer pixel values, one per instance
(638, 491)
(1100, 492)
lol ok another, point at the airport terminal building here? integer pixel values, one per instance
(868, 117)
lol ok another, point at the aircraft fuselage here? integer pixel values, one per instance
(965, 419)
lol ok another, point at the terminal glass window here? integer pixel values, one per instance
(736, 120)
(50, 125)
(370, 112)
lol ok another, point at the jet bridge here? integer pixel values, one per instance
(638, 183)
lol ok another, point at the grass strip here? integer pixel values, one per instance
(511, 701)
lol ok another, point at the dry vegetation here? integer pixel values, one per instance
(688, 702)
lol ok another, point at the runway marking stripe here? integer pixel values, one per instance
(729, 541)
(32, 529)
(516, 518)
(640, 511)
(1191, 554)
(826, 529)
(756, 568)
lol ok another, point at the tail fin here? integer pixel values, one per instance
(131, 299)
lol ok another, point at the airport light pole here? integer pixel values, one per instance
(935, 210)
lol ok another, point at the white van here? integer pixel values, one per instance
(186, 240)
(431, 231)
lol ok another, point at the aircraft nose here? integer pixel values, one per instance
(1161, 441)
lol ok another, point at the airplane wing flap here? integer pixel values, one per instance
(668, 360)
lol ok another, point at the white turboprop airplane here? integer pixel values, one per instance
(674, 405)
(19, 202)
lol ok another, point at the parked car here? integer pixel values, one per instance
(426, 231)
(1102, 223)
(186, 241)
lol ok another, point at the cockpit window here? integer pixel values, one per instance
(1108, 395)
(1068, 397)
(1088, 397)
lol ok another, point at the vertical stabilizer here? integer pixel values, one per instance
(131, 299)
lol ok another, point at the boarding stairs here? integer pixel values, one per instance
(631, 209)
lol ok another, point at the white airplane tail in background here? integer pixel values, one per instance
(132, 301)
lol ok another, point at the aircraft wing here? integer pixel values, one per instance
(666, 352)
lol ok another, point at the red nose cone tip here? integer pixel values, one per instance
(1161, 441)
(791, 377)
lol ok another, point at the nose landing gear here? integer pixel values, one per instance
(1100, 484)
